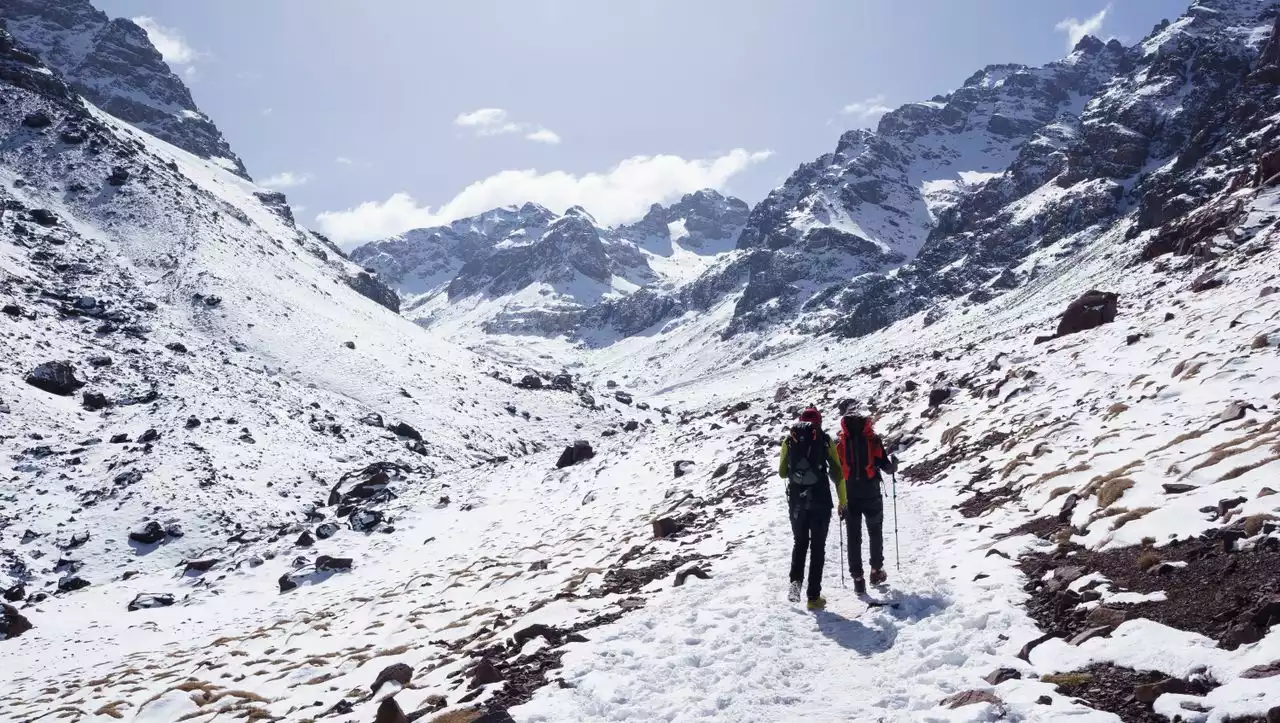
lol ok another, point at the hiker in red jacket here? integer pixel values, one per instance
(862, 458)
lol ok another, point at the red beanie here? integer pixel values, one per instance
(811, 415)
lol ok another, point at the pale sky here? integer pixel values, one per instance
(382, 115)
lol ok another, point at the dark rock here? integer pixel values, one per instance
(402, 429)
(630, 426)
(530, 381)
(1266, 670)
(940, 395)
(1089, 634)
(192, 422)
(325, 563)
(580, 451)
(173, 529)
(148, 436)
(389, 711)
(1149, 692)
(148, 600)
(1133, 339)
(326, 530)
(623, 397)
(665, 527)
(1208, 280)
(304, 540)
(39, 119)
(199, 566)
(1177, 488)
(12, 622)
(71, 583)
(1044, 700)
(177, 347)
(365, 520)
(15, 593)
(349, 344)
(43, 216)
(148, 534)
(11, 310)
(971, 697)
(538, 565)
(524, 635)
(1103, 616)
(119, 176)
(697, 572)
(55, 377)
(95, 401)
(119, 438)
(1068, 507)
(720, 471)
(287, 583)
(399, 673)
(1025, 653)
(1092, 309)
(996, 677)
(372, 288)
(484, 674)
(682, 467)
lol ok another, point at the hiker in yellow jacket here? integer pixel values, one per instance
(809, 463)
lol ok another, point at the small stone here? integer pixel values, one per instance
(193, 422)
(695, 571)
(304, 540)
(1177, 488)
(971, 697)
(665, 527)
(177, 347)
(1044, 700)
(148, 534)
(148, 600)
(1149, 692)
(1104, 616)
(484, 674)
(996, 677)
(324, 563)
(1087, 635)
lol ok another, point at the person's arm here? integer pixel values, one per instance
(782, 460)
(837, 473)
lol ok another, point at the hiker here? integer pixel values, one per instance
(862, 458)
(809, 464)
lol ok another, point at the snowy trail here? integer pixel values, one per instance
(733, 649)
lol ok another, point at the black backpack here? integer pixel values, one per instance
(807, 455)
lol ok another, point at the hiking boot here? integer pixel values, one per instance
(793, 594)
(860, 585)
(878, 577)
(818, 603)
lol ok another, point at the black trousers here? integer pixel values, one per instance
(871, 508)
(809, 524)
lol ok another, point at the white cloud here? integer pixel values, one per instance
(867, 110)
(1076, 29)
(496, 122)
(268, 111)
(169, 42)
(623, 193)
(543, 135)
(343, 160)
(288, 179)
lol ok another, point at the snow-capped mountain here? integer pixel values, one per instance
(237, 485)
(525, 270)
(113, 64)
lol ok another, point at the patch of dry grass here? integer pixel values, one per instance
(1067, 678)
(1058, 492)
(1148, 560)
(111, 709)
(1130, 516)
(1115, 410)
(1112, 490)
(1059, 472)
(466, 715)
(1253, 523)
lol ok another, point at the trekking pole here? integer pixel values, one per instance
(897, 551)
(842, 561)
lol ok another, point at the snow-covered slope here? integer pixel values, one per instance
(1086, 522)
(113, 64)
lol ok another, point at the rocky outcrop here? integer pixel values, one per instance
(113, 64)
(370, 287)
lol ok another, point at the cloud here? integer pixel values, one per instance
(268, 111)
(1076, 29)
(169, 42)
(343, 160)
(496, 122)
(621, 194)
(867, 110)
(288, 179)
(543, 135)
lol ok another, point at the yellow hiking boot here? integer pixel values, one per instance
(818, 603)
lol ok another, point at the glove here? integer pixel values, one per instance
(840, 511)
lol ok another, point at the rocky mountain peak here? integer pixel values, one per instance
(112, 63)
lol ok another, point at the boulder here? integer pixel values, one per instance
(1177, 488)
(399, 674)
(304, 540)
(196, 567)
(365, 520)
(39, 119)
(176, 347)
(1149, 692)
(71, 583)
(95, 401)
(55, 377)
(389, 711)
(685, 574)
(402, 429)
(326, 530)
(630, 426)
(1092, 309)
(530, 381)
(147, 600)
(941, 395)
(484, 674)
(119, 176)
(578, 452)
(1086, 635)
(1104, 616)
(665, 527)
(623, 397)
(682, 467)
(15, 593)
(562, 382)
(996, 677)
(192, 422)
(325, 563)
(971, 697)
(43, 216)
(148, 534)
(12, 622)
